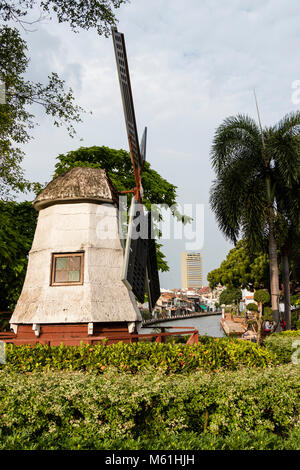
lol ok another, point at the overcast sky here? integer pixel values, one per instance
(192, 64)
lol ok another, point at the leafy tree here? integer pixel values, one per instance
(156, 190)
(267, 313)
(15, 117)
(295, 299)
(96, 14)
(16, 120)
(252, 307)
(262, 296)
(17, 226)
(241, 268)
(230, 296)
(249, 161)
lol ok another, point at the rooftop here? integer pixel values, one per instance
(81, 184)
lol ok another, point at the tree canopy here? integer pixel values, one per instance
(156, 190)
(97, 14)
(262, 296)
(17, 227)
(241, 268)
(230, 296)
(18, 94)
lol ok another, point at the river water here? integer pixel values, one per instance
(209, 325)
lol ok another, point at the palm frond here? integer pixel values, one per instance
(236, 135)
(289, 124)
(284, 154)
(235, 194)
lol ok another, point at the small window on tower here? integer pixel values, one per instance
(67, 269)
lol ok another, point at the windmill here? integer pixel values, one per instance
(140, 264)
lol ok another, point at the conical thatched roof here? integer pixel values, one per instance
(81, 184)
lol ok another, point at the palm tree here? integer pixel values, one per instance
(253, 166)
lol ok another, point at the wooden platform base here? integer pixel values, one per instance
(71, 334)
(233, 325)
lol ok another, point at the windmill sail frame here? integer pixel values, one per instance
(126, 93)
(140, 270)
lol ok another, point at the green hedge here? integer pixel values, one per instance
(283, 346)
(250, 408)
(210, 354)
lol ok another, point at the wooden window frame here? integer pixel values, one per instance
(54, 256)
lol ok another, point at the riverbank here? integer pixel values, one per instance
(205, 324)
(155, 321)
(233, 325)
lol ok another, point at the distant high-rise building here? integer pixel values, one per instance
(191, 270)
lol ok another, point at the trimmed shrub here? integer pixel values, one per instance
(210, 354)
(268, 313)
(283, 346)
(78, 410)
(252, 307)
(262, 296)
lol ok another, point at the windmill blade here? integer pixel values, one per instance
(143, 147)
(124, 79)
(136, 252)
(152, 277)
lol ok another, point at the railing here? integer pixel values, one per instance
(7, 335)
(181, 317)
(160, 337)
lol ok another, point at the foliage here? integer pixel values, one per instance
(230, 296)
(210, 354)
(16, 119)
(295, 299)
(262, 296)
(156, 190)
(75, 410)
(283, 345)
(252, 165)
(158, 193)
(252, 307)
(267, 313)
(241, 268)
(17, 226)
(4, 321)
(295, 319)
(96, 14)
